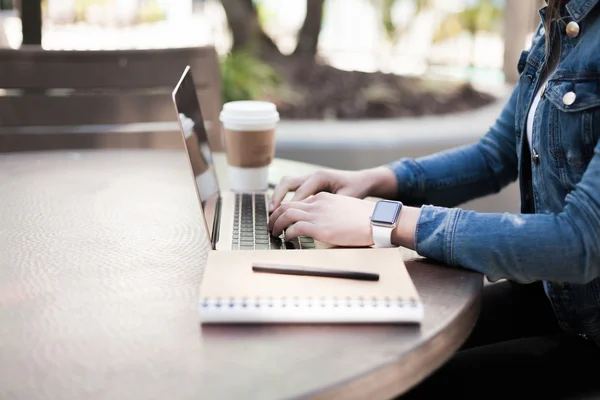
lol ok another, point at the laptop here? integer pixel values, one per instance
(234, 221)
(232, 293)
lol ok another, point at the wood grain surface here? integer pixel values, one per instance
(101, 257)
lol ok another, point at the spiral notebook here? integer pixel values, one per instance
(232, 293)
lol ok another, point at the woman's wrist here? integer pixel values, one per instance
(382, 182)
(404, 234)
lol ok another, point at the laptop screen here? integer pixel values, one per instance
(197, 145)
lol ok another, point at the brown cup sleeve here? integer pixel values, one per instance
(250, 149)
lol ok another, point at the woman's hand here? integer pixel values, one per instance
(379, 182)
(334, 219)
(339, 220)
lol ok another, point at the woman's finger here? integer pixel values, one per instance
(286, 185)
(287, 218)
(313, 185)
(301, 228)
(283, 208)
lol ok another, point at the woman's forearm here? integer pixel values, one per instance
(404, 234)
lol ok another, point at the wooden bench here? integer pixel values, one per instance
(101, 99)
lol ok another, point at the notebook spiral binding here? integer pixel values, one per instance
(295, 302)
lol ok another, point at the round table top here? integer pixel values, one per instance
(101, 257)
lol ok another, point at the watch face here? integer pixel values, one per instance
(386, 212)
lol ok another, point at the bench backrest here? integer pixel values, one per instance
(109, 98)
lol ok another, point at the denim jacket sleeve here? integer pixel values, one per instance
(455, 176)
(560, 247)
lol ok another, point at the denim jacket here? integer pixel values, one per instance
(556, 238)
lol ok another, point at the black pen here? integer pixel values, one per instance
(313, 271)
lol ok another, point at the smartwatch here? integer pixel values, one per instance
(384, 220)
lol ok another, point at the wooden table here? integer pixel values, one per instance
(101, 256)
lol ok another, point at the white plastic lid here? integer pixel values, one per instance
(249, 115)
(187, 124)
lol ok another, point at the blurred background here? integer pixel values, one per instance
(317, 59)
(358, 83)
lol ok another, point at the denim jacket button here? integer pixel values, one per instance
(536, 157)
(573, 29)
(569, 98)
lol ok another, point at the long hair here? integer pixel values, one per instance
(552, 14)
(553, 11)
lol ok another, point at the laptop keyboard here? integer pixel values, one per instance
(250, 223)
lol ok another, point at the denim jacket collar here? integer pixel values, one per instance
(579, 9)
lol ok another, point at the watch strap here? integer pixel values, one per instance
(382, 236)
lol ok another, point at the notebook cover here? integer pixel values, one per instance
(232, 293)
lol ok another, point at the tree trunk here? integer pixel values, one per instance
(308, 38)
(242, 21)
(31, 18)
(245, 28)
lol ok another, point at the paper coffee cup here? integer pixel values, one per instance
(249, 133)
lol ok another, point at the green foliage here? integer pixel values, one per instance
(388, 23)
(245, 77)
(481, 17)
(81, 7)
(151, 12)
(264, 13)
(387, 6)
(148, 11)
(484, 16)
